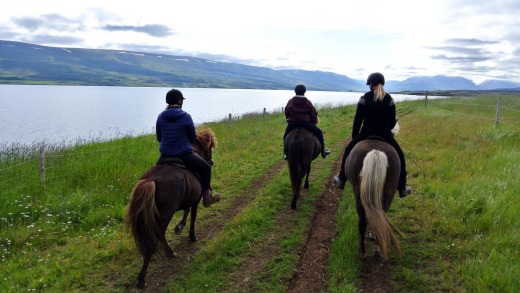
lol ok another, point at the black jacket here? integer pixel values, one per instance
(377, 118)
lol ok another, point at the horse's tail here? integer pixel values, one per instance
(372, 185)
(142, 217)
(295, 154)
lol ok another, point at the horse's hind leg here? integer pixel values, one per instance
(362, 226)
(306, 185)
(193, 236)
(142, 274)
(180, 226)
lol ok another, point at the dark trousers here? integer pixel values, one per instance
(309, 126)
(196, 164)
(388, 138)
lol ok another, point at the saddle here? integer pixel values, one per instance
(177, 163)
(173, 161)
(376, 137)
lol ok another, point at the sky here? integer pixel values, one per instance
(478, 40)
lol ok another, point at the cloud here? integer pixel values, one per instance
(155, 30)
(48, 22)
(58, 40)
(460, 59)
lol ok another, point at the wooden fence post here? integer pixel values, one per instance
(426, 98)
(497, 118)
(42, 167)
(264, 113)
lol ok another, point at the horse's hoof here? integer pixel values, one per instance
(193, 237)
(178, 229)
(141, 285)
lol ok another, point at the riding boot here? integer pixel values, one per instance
(404, 190)
(208, 199)
(325, 153)
(340, 179)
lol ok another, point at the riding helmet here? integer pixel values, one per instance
(376, 78)
(174, 96)
(300, 89)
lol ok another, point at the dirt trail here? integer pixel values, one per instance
(309, 276)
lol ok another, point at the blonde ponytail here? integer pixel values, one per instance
(379, 93)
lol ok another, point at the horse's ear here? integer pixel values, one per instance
(213, 138)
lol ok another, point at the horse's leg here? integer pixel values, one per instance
(193, 237)
(306, 185)
(180, 226)
(294, 199)
(166, 217)
(142, 274)
(362, 226)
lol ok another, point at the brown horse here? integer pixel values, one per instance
(160, 192)
(302, 147)
(373, 168)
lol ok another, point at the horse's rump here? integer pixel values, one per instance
(373, 168)
(301, 147)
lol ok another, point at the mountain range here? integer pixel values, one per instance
(24, 63)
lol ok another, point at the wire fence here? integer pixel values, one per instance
(31, 174)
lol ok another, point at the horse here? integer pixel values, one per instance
(302, 147)
(160, 192)
(373, 168)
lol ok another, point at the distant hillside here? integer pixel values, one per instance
(22, 63)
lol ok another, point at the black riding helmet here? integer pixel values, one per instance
(174, 96)
(376, 78)
(300, 89)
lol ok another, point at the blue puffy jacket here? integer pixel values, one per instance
(175, 131)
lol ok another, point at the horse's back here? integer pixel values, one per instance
(174, 184)
(309, 141)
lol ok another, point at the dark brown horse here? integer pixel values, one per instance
(373, 168)
(301, 147)
(160, 192)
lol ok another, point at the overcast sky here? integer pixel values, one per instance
(475, 39)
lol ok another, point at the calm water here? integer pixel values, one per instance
(34, 113)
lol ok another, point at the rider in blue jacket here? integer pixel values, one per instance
(176, 133)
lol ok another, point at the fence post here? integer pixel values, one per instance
(42, 167)
(264, 113)
(426, 98)
(497, 118)
(229, 120)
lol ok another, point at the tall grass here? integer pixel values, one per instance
(461, 223)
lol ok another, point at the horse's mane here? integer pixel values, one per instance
(207, 138)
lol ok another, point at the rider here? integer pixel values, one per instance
(300, 112)
(176, 133)
(376, 112)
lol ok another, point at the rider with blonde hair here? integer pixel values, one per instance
(375, 116)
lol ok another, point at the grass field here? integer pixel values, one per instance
(64, 232)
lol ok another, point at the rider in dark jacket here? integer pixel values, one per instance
(176, 133)
(300, 112)
(375, 115)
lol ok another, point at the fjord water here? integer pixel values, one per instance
(53, 114)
